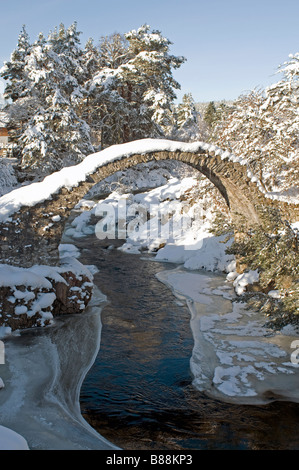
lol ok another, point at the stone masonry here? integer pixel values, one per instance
(33, 234)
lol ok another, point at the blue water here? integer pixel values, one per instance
(139, 395)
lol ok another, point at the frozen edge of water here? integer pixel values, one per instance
(40, 400)
(205, 364)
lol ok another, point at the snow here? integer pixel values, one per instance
(5, 331)
(236, 357)
(41, 398)
(21, 309)
(160, 218)
(11, 276)
(68, 250)
(244, 280)
(39, 277)
(10, 440)
(43, 301)
(36, 277)
(274, 294)
(8, 180)
(70, 177)
(185, 239)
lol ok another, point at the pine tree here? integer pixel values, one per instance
(8, 180)
(133, 92)
(56, 135)
(150, 81)
(280, 114)
(90, 65)
(187, 119)
(13, 70)
(263, 129)
(21, 104)
(210, 116)
(33, 139)
(107, 110)
(122, 90)
(90, 60)
(113, 51)
(243, 131)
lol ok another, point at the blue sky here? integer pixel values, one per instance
(231, 46)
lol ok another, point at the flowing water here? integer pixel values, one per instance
(138, 394)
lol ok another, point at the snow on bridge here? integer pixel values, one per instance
(32, 217)
(71, 177)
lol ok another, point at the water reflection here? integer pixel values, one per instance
(138, 394)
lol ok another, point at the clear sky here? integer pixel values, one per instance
(231, 46)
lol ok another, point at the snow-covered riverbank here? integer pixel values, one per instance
(236, 357)
(43, 372)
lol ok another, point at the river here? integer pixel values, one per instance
(139, 393)
(119, 375)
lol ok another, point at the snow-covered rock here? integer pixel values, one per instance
(33, 296)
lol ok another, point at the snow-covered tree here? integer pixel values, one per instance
(13, 70)
(210, 115)
(61, 94)
(187, 119)
(264, 129)
(56, 135)
(8, 180)
(90, 60)
(280, 113)
(109, 110)
(243, 130)
(20, 105)
(133, 92)
(106, 109)
(149, 73)
(113, 51)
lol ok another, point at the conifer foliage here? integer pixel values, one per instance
(272, 248)
(66, 101)
(133, 91)
(263, 129)
(187, 119)
(52, 132)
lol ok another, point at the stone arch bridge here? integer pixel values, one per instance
(32, 218)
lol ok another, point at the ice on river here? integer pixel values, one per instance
(235, 356)
(43, 372)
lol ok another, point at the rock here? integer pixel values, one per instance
(26, 306)
(74, 296)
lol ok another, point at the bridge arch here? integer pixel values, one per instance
(32, 218)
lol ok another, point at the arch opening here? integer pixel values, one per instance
(40, 224)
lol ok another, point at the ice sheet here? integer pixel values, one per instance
(40, 400)
(235, 356)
